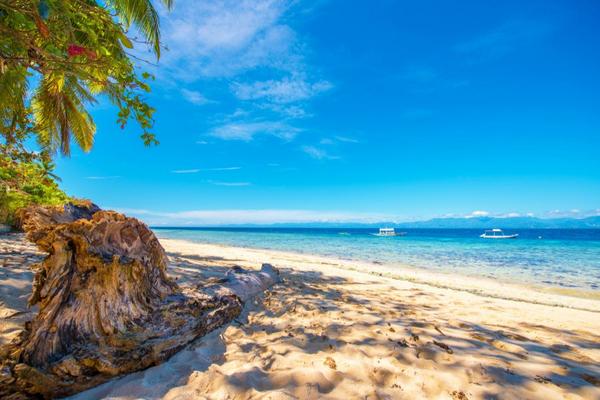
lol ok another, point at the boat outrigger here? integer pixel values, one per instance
(389, 232)
(497, 234)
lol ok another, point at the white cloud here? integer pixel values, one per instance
(194, 97)
(318, 153)
(285, 90)
(229, 183)
(246, 131)
(185, 171)
(224, 38)
(346, 139)
(478, 213)
(265, 216)
(196, 170)
(231, 39)
(224, 169)
(341, 139)
(286, 110)
(201, 142)
(509, 215)
(573, 213)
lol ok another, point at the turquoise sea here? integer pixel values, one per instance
(560, 258)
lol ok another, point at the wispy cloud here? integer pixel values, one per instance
(478, 213)
(247, 131)
(285, 90)
(217, 183)
(231, 38)
(337, 139)
(224, 38)
(286, 111)
(346, 139)
(196, 170)
(186, 171)
(223, 169)
(98, 178)
(264, 216)
(318, 153)
(572, 213)
(201, 142)
(194, 97)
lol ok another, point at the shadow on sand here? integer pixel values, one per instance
(310, 315)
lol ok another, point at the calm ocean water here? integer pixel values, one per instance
(567, 258)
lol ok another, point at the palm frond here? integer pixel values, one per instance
(60, 114)
(13, 91)
(143, 15)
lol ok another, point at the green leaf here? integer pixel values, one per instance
(125, 41)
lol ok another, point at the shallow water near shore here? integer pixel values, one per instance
(566, 261)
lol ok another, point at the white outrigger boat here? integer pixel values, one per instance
(497, 234)
(388, 232)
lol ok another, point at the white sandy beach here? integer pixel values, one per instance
(331, 331)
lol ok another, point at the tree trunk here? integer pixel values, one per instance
(106, 304)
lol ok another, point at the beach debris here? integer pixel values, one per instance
(542, 379)
(443, 346)
(330, 362)
(459, 395)
(106, 304)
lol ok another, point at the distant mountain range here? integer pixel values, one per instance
(456, 223)
(508, 223)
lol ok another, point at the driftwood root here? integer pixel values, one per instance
(106, 304)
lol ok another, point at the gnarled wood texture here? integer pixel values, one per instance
(106, 305)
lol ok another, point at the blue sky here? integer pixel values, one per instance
(273, 111)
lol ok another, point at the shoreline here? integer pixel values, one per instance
(480, 286)
(329, 331)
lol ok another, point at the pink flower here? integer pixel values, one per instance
(74, 50)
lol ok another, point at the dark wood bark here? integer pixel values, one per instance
(106, 305)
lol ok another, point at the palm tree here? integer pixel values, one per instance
(77, 52)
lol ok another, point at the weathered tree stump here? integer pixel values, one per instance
(106, 305)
